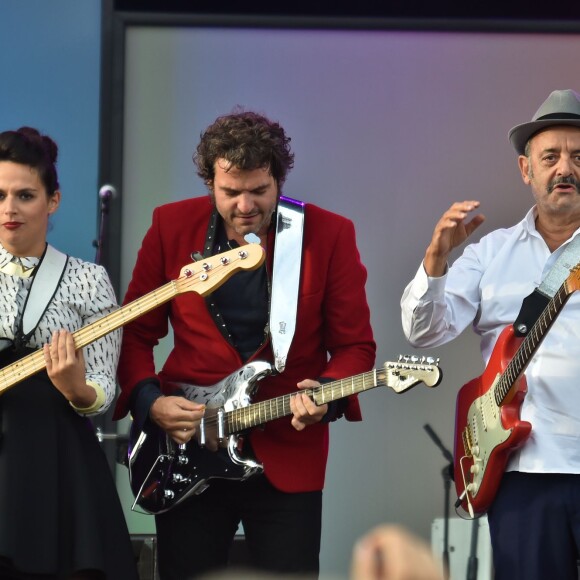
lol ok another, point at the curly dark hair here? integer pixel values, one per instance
(248, 141)
(27, 146)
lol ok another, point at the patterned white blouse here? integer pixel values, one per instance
(84, 295)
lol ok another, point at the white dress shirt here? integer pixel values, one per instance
(485, 287)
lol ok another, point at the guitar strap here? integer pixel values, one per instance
(286, 277)
(47, 277)
(534, 304)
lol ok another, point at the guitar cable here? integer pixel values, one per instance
(464, 495)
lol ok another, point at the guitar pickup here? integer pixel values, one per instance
(201, 431)
(221, 430)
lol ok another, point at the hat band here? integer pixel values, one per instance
(558, 116)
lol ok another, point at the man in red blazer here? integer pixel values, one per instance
(244, 159)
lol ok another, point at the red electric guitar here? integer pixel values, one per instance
(488, 427)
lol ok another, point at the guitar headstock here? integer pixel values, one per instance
(409, 371)
(210, 273)
(573, 280)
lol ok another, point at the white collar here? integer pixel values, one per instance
(15, 266)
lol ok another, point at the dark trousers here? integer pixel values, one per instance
(282, 530)
(535, 526)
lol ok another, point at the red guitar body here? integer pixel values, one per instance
(487, 432)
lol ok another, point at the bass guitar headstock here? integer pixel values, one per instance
(208, 274)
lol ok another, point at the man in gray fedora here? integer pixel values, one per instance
(526, 480)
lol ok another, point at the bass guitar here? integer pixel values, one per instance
(201, 277)
(488, 427)
(163, 473)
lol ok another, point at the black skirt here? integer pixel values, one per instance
(59, 508)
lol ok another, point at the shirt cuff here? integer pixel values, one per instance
(99, 401)
(428, 288)
(143, 396)
(336, 408)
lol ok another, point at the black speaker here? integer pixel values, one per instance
(239, 557)
(145, 551)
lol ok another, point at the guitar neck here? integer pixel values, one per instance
(33, 363)
(530, 344)
(200, 277)
(264, 411)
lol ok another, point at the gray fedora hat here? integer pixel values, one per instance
(560, 108)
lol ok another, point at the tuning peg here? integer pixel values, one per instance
(414, 360)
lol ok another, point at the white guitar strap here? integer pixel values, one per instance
(569, 257)
(534, 304)
(46, 279)
(286, 277)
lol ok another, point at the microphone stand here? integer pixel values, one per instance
(105, 194)
(472, 564)
(447, 474)
(104, 423)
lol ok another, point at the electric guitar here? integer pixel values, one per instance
(163, 473)
(488, 428)
(201, 277)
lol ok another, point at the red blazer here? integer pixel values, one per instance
(333, 336)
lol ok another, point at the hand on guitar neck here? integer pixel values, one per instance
(305, 410)
(178, 417)
(65, 367)
(163, 474)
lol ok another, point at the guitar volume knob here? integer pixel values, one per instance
(472, 487)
